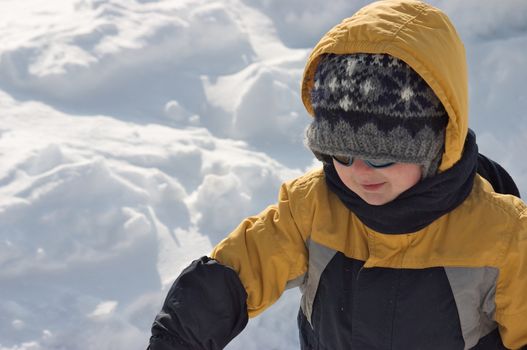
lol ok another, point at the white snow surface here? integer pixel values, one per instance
(135, 134)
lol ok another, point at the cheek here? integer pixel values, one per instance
(341, 172)
(346, 176)
(408, 175)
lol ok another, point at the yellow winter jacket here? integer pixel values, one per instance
(270, 250)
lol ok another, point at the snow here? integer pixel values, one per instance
(135, 134)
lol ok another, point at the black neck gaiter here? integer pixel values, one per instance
(420, 205)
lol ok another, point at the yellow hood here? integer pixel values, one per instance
(420, 35)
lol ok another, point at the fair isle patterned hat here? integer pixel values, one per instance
(375, 106)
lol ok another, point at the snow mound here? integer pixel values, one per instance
(100, 215)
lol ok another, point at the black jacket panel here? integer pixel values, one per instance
(381, 308)
(490, 342)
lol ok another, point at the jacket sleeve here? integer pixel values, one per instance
(511, 289)
(204, 310)
(269, 251)
(498, 177)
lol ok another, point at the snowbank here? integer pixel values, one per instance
(135, 134)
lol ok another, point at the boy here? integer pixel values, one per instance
(397, 243)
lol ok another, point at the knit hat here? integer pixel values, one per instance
(375, 106)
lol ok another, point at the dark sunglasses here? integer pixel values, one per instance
(376, 164)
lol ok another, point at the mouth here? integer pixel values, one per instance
(372, 187)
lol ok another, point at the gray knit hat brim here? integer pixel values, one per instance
(368, 142)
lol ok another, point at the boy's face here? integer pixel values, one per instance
(378, 186)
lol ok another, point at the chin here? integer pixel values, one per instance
(376, 203)
(374, 200)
